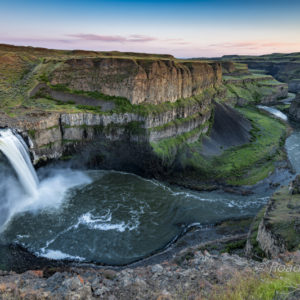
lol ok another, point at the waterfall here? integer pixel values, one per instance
(16, 151)
(30, 195)
(277, 113)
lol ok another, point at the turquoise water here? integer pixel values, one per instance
(117, 218)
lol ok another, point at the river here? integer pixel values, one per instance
(116, 218)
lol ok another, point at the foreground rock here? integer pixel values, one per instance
(276, 228)
(192, 274)
(284, 67)
(294, 110)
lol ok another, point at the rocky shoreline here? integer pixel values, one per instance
(180, 121)
(194, 273)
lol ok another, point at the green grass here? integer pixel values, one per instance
(271, 82)
(122, 105)
(242, 165)
(237, 245)
(256, 252)
(247, 76)
(252, 92)
(258, 287)
(240, 67)
(283, 107)
(168, 149)
(247, 92)
(283, 217)
(21, 68)
(180, 121)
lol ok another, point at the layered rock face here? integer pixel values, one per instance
(53, 135)
(139, 80)
(287, 72)
(294, 110)
(279, 228)
(258, 86)
(228, 67)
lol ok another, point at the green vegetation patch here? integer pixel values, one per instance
(284, 218)
(283, 107)
(168, 149)
(241, 165)
(121, 104)
(251, 92)
(256, 252)
(247, 76)
(234, 246)
(264, 286)
(180, 121)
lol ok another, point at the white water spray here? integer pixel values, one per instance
(16, 151)
(277, 113)
(31, 195)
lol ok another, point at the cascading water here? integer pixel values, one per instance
(112, 217)
(16, 151)
(272, 110)
(27, 193)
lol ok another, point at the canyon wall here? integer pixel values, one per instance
(294, 110)
(51, 135)
(285, 68)
(155, 82)
(142, 110)
(279, 227)
(138, 80)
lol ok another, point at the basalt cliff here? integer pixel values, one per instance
(284, 67)
(149, 114)
(138, 80)
(191, 122)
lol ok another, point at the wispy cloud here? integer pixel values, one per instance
(177, 41)
(135, 38)
(33, 40)
(253, 45)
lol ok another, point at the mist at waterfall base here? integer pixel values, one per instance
(107, 216)
(20, 188)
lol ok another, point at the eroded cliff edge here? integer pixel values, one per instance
(138, 80)
(142, 113)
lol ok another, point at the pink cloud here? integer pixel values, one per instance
(144, 43)
(254, 45)
(133, 38)
(113, 38)
(141, 38)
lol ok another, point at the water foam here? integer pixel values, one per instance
(59, 255)
(277, 113)
(28, 194)
(103, 223)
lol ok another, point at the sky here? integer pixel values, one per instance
(200, 28)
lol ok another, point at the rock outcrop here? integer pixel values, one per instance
(255, 89)
(294, 110)
(279, 227)
(228, 67)
(295, 186)
(284, 67)
(229, 129)
(124, 108)
(139, 80)
(191, 273)
(53, 135)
